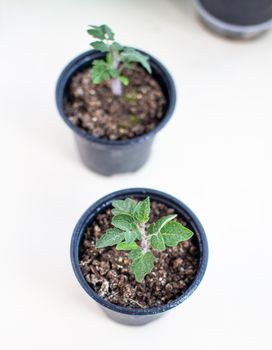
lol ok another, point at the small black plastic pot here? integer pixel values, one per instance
(131, 316)
(236, 18)
(105, 156)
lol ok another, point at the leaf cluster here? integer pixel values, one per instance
(118, 57)
(132, 233)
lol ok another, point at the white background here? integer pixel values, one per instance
(215, 155)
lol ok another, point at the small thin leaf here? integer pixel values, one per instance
(100, 46)
(142, 211)
(131, 236)
(110, 238)
(173, 233)
(116, 46)
(114, 72)
(96, 32)
(131, 55)
(106, 29)
(124, 80)
(135, 254)
(126, 223)
(158, 225)
(123, 206)
(142, 266)
(157, 242)
(127, 246)
(123, 222)
(101, 32)
(99, 71)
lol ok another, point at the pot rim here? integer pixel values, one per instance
(104, 202)
(230, 27)
(77, 62)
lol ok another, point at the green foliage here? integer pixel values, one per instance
(127, 246)
(126, 206)
(100, 71)
(112, 237)
(135, 254)
(131, 55)
(141, 211)
(126, 223)
(118, 57)
(131, 232)
(156, 227)
(142, 265)
(157, 242)
(100, 46)
(174, 232)
(102, 32)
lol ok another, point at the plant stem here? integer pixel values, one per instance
(116, 87)
(144, 241)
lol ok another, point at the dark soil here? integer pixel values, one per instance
(97, 111)
(107, 270)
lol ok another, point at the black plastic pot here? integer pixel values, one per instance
(110, 157)
(122, 314)
(236, 18)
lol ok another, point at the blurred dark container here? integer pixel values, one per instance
(236, 18)
(104, 156)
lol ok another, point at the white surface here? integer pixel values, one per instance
(215, 155)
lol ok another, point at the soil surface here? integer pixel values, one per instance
(97, 111)
(107, 270)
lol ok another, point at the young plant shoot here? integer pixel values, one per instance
(132, 233)
(117, 59)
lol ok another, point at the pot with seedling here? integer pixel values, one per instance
(236, 18)
(139, 253)
(115, 99)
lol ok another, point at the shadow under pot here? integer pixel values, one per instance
(101, 153)
(241, 19)
(105, 274)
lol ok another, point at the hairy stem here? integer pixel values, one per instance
(144, 241)
(116, 87)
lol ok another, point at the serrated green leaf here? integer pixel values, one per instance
(135, 254)
(131, 55)
(157, 242)
(116, 46)
(142, 210)
(173, 233)
(127, 246)
(110, 238)
(131, 236)
(96, 32)
(123, 222)
(108, 32)
(126, 223)
(100, 63)
(100, 46)
(101, 32)
(124, 80)
(123, 206)
(99, 71)
(142, 266)
(156, 227)
(114, 72)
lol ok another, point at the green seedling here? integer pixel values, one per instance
(132, 232)
(117, 59)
